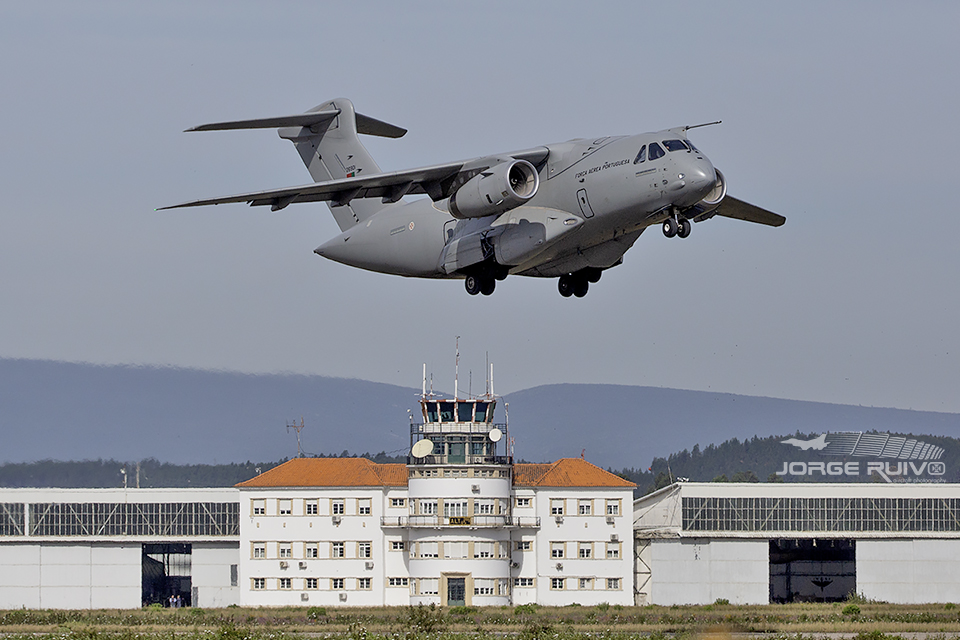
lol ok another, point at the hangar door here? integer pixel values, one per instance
(812, 570)
(166, 570)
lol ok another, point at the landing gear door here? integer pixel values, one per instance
(584, 204)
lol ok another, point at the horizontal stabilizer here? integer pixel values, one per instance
(316, 120)
(309, 119)
(733, 208)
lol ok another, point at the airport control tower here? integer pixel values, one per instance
(460, 525)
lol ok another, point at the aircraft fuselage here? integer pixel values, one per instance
(600, 188)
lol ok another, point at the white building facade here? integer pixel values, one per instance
(460, 524)
(756, 543)
(118, 548)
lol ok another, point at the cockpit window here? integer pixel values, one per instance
(641, 156)
(656, 151)
(692, 148)
(675, 145)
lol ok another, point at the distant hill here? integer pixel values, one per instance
(65, 411)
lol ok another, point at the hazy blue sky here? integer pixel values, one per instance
(841, 116)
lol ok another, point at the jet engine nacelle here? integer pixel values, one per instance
(498, 189)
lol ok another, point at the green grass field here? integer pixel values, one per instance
(859, 620)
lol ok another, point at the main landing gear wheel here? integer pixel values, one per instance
(670, 227)
(565, 286)
(473, 285)
(487, 285)
(685, 228)
(580, 287)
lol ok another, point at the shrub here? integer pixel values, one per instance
(316, 612)
(462, 611)
(721, 602)
(851, 610)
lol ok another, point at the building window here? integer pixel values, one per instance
(428, 507)
(429, 549)
(556, 507)
(337, 507)
(613, 507)
(311, 550)
(363, 549)
(613, 550)
(613, 584)
(286, 583)
(397, 502)
(259, 549)
(524, 545)
(523, 582)
(363, 506)
(484, 586)
(523, 502)
(483, 507)
(429, 586)
(585, 550)
(585, 507)
(285, 549)
(483, 549)
(311, 507)
(336, 583)
(556, 583)
(259, 507)
(311, 583)
(454, 508)
(455, 550)
(336, 549)
(364, 583)
(285, 507)
(556, 549)
(259, 584)
(397, 545)
(397, 582)
(586, 584)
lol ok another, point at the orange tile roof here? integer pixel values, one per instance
(331, 472)
(360, 472)
(566, 472)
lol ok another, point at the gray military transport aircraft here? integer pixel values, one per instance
(567, 210)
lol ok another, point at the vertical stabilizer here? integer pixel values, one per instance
(331, 150)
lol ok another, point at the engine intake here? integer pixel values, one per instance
(500, 188)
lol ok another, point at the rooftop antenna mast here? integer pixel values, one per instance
(456, 372)
(298, 428)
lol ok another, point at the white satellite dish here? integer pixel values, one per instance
(495, 435)
(422, 448)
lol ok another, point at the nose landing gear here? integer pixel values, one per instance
(674, 227)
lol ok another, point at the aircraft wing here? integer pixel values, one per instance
(733, 208)
(438, 182)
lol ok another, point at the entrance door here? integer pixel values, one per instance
(456, 592)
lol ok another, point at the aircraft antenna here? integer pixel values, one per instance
(298, 428)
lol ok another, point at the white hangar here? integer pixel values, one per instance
(118, 548)
(757, 543)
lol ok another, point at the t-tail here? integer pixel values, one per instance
(326, 137)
